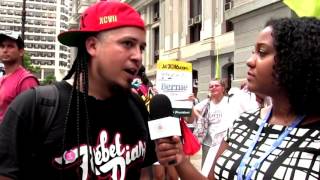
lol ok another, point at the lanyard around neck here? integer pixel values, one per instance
(245, 159)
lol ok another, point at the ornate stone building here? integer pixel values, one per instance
(198, 30)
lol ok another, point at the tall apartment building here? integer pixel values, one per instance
(78, 7)
(45, 19)
(198, 31)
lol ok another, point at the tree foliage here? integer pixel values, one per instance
(28, 65)
(49, 79)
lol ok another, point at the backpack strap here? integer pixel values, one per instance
(47, 100)
(46, 106)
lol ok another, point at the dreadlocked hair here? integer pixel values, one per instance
(78, 105)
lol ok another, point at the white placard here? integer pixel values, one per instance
(174, 79)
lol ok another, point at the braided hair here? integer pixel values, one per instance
(78, 104)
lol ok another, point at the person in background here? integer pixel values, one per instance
(280, 141)
(142, 86)
(194, 99)
(1, 70)
(243, 98)
(100, 129)
(213, 118)
(195, 87)
(194, 96)
(16, 79)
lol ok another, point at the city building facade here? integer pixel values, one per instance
(44, 20)
(199, 31)
(248, 18)
(188, 30)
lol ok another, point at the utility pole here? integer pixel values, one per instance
(23, 18)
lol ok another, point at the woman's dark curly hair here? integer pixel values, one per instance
(297, 61)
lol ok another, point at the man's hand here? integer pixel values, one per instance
(169, 151)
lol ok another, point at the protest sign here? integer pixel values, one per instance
(174, 79)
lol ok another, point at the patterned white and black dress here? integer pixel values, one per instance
(297, 157)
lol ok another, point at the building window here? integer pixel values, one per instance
(17, 13)
(16, 28)
(30, 6)
(10, 12)
(156, 12)
(155, 45)
(195, 33)
(195, 20)
(229, 26)
(17, 5)
(228, 5)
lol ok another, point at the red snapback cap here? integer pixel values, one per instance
(103, 15)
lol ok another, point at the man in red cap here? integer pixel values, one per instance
(99, 130)
(16, 79)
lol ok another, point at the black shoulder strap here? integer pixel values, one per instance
(47, 100)
(206, 109)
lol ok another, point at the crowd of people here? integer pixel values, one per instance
(214, 117)
(266, 129)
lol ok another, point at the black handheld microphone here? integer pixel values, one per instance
(160, 107)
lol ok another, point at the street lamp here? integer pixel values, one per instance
(23, 18)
